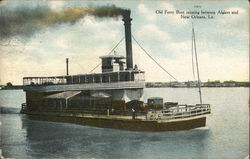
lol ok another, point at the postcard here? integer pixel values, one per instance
(124, 79)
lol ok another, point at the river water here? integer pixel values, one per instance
(225, 136)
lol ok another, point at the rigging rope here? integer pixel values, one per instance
(108, 54)
(72, 59)
(153, 58)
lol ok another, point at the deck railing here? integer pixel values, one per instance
(109, 77)
(179, 112)
(91, 86)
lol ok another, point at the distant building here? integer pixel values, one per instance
(209, 83)
(229, 83)
(192, 84)
(215, 83)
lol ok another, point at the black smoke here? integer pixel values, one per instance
(25, 21)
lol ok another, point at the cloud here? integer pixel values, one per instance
(56, 5)
(181, 68)
(100, 30)
(26, 21)
(215, 62)
(179, 47)
(44, 54)
(167, 6)
(146, 12)
(234, 25)
(222, 47)
(153, 39)
(153, 33)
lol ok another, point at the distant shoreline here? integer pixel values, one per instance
(11, 89)
(195, 84)
(201, 86)
(14, 87)
(173, 84)
(160, 87)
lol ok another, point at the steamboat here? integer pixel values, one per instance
(110, 99)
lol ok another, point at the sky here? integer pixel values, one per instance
(37, 36)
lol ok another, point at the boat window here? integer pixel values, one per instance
(82, 79)
(106, 62)
(75, 79)
(89, 79)
(69, 80)
(107, 65)
(97, 78)
(114, 77)
(132, 76)
(124, 76)
(105, 78)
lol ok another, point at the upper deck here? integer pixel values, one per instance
(113, 76)
(96, 81)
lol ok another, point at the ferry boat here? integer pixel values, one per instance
(110, 99)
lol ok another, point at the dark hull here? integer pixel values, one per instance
(133, 125)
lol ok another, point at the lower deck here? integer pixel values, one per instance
(88, 100)
(122, 122)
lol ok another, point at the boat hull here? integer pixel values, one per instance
(125, 124)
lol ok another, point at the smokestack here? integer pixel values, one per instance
(127, 24)
(67, 66)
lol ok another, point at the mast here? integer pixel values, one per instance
(67, 66)
(193, 56)
(197, 66)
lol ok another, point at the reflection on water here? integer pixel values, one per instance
(37, 139)
(226, 134)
